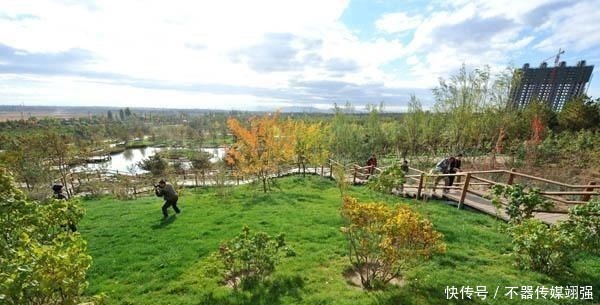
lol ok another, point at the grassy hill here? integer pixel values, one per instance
(138, 259)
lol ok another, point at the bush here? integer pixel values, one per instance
(539, 247)
(583, 226)
(550, 249)
(384, 241)
(521, 204)
(41, 262)
(154, 164)
(389, 179)
(249, 258)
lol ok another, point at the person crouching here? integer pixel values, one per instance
(168, 193)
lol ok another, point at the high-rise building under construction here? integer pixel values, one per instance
(551, 85)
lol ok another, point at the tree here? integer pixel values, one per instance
(127, 112)
(473, 106)
(60, 153)
(24, 156)
(374, 135)
(41, 262)
(154, 164)
(580, 112)
(122, 114)
(414, 120)
(310, 146)
(459, 100)
(262, 148)
(201, 162)
(109, 115)
(346, 137)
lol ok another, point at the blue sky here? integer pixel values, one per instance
(234, 54)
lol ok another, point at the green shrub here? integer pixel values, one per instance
(41, 262)
(521, 204)
(154, 164)
(392, 177)
(249, 258)
(550, 249)
(539, 247)
(583, 226)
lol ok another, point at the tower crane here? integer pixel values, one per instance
(556, 57)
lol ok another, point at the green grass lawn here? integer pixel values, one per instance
(138, 259)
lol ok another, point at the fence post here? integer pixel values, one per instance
(465, 187)
(420, 187)
(322, 173)
(330, 169)
(511, 176)
(354, 176)
(589, 189)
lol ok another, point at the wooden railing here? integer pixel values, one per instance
(468, 182)
(473, 183)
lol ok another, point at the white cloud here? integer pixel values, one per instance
(75, 91)
(575, 28)
(490, 32)
(397, 22)
(198, 45)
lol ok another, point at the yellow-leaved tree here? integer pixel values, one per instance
(311, 143)
(262, 147)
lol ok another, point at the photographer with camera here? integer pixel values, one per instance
(162, 189)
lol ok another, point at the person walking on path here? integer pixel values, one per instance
(168, 193)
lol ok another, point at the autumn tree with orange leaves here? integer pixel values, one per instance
(262, 147)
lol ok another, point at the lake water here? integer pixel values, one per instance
(126, 161)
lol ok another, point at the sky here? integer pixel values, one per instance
(259, 54)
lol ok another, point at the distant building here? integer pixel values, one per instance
(554, 85)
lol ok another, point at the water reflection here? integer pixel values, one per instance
(126, 161)
(128, 154)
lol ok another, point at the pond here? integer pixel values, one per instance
(126, 161)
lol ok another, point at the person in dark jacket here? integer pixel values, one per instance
(454, 167)
(444, 167)
(404, 167)
(168, 193)
(59, 195)
(372, 163)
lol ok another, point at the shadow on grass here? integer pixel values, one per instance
(583, 271)
(164, 223)
(270, 292)
(412, 295)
